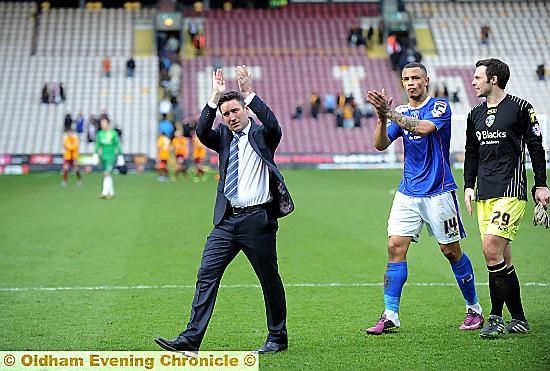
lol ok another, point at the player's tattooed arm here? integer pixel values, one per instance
(406, 122)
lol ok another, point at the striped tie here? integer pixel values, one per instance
(232, 177)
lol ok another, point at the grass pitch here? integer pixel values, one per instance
(124, 272)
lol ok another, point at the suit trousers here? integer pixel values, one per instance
(254, 232)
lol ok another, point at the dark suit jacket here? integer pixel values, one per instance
(264, 139)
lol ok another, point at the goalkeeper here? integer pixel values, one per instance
(498, 130)
(107, 148)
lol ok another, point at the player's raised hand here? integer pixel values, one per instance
(244, 79)
(218, 83)
(469, 196)
(380, 101)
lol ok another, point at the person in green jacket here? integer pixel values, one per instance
(107, 148)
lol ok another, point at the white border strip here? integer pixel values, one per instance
(243, 286)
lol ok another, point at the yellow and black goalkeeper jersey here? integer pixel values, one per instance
(496, 138)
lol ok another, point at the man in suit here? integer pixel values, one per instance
(251, 195)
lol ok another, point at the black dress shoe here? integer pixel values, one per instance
(271, 347)
(179, 344)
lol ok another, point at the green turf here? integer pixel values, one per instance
(153, 234)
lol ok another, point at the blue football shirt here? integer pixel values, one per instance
(426, 171)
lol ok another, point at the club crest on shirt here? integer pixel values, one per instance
(532, 115)
(414, 114)
(490, 120)
(536, 130)
(439, 108)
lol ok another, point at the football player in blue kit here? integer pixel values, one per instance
(426, 194)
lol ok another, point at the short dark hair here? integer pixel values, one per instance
(416, 64)
(230, 95)
(496, 67)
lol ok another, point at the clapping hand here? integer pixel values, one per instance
(244, 78)
(218, 85)
(380, 102)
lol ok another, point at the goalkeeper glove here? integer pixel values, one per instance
(541, 216)
(120, 160)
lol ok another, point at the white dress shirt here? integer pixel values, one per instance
(253, 181)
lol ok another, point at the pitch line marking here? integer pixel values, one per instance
(241, 286)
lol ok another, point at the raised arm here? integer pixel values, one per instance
(244, 79)
(205, 133)
(260, 109)
(381, 139)
(383, 107)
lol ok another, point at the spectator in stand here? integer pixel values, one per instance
(130, 67)
(381, 30)
(370, 34)
(298, 111)
(70, 156)
(45, 94)
(68, 122)
(330, 103)
(541, 72)
(62, 96)
(174, 74)
(172, 45)
(394, 50)
(484, 34)
(347, 115)
(339, 118)
(106, 65)
(357, 115)
(176, 108)
(315, 104)
(193, 30)
(455, 98)
(165, 106)
(166, 127)
(410, 56)
(54, 93)
(355, 37)
(340, 100)
(200, 43)
(92, 128)
(445, 91)
(79, 123)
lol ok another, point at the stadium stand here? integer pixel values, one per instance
(83, 32)
(71, 55)
(295, 29)
(284, 81)
(293, 51)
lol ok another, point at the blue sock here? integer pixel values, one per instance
(395, 278)
(464, 274)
